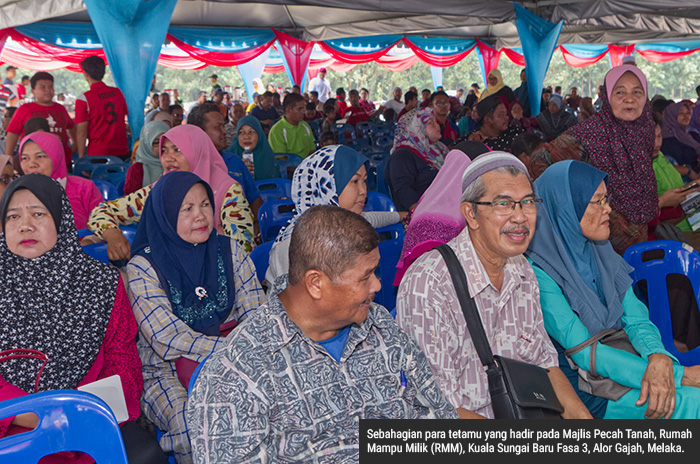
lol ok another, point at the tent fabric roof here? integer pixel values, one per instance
(596, 21)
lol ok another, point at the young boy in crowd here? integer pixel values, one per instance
(55, 114)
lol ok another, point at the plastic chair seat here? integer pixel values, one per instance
(272, 216)
(89, 163)
(261, 259)
(113, 174)
(68, 421)
(678, 258)
(379, 202)
(108, 191)
(390, 244)
(287, 163)
(274, 189)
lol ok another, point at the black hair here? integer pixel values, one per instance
(93, 66)
(410, 95)
(36, 124)
(198, 113)
(438, 93)
(291, 100)
(316, 243)
(40, 76)
(525, 143)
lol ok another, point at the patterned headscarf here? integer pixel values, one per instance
(59, 303)
(320, 179)
(411, 133)
(622, 149)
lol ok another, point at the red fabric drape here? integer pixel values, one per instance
(218, 58)
(180, 62)
(576, 62)
(352, 58)
(396, 64)
(514, 56)
(68, 55)
(297, 53)
(491, 56)
(618, 52)
(663, 57)
(440, 61)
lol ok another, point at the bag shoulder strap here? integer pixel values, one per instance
(590, 341)
(471, 314)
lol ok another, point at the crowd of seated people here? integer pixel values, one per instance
(538, 209)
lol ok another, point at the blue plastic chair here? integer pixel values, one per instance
(113, 173)
(366, 127)
(274, 189)
(678, 258)
(261, 259)
(390, 244)
(345, 131)
(379, 202)
(108, 191)
(69, 420)
(195, 374)
(272, 216)
(89, 163)
(99, 250)
(287, 162)
(315, 127)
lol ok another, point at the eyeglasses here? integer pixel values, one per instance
(602, 202)
(507, 207)
(441, 103)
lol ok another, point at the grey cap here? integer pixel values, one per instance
(488, 162)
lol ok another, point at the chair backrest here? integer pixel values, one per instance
(272, 216)
(99, 250)
(345, 130)
(261, 259)
(669, 257)
(274, 189)
(287, 162)
(112, 173)
(89, 163)
(68, 421)
(390, 244)
(379, 202)
(108, 191)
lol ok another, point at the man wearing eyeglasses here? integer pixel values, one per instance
(440, 103)
(499, 205)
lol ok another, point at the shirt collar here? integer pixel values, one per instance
(477, 278)
(289, 330)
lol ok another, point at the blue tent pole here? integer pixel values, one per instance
(436, 74)
(539, 39)
(132, 33)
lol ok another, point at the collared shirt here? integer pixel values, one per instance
(271, 394)
(428, 309)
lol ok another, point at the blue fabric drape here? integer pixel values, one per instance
(444, 46)
(132, 33)
(363, 45)
(436, 73)
(539, 39)
(252, 69)
(69, 35)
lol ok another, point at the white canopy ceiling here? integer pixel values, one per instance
(592, 21)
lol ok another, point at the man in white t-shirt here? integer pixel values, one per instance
(395, 104)
(321, 85)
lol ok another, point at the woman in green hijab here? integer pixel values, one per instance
(249, 133)
(146, 168)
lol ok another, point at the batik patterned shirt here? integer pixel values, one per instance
(271, 394)
(428, 309)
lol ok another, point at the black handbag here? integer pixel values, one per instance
(518, 390)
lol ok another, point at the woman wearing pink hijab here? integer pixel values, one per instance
(182, 148)
(42, 153)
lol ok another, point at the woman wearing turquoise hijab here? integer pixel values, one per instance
(249, 133)
(585, 288)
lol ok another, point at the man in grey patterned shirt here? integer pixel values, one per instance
(293, 381)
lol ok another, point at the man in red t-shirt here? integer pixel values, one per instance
(60, 122)
(100, 113)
